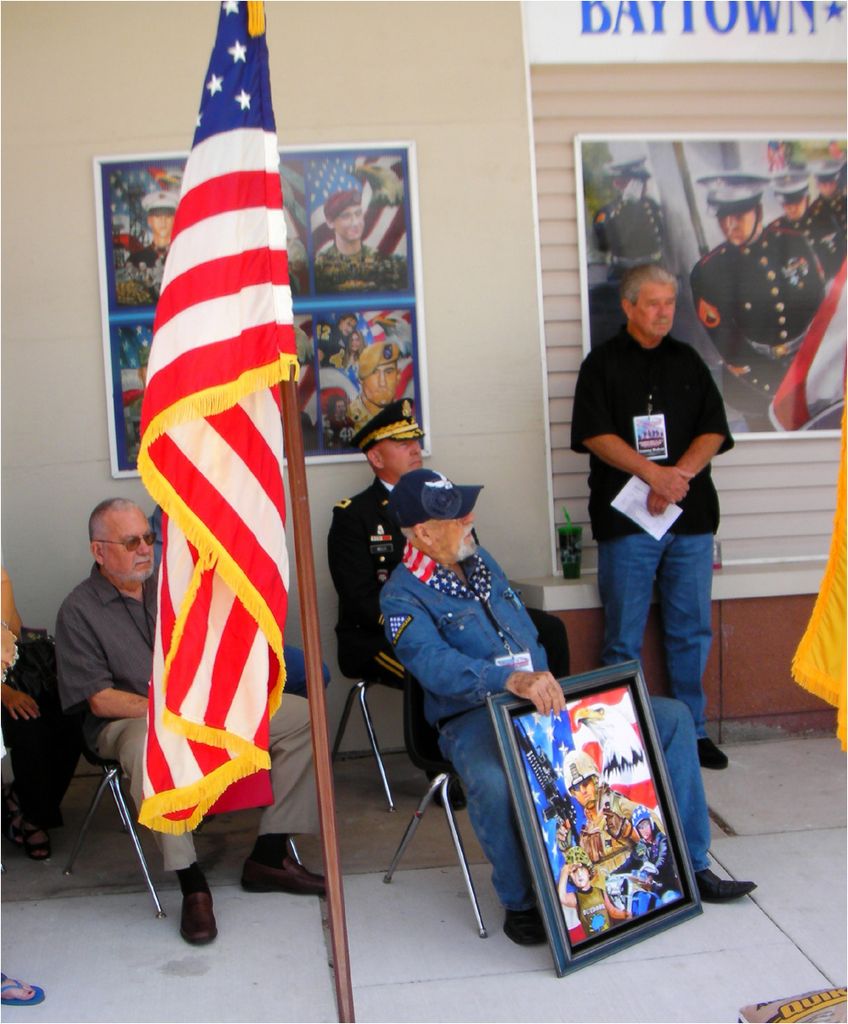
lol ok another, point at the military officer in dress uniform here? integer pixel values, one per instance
(630, 228)
(830, 181)
(365, 544)
(755, 294)
(817, 222)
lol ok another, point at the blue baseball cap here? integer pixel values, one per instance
(424, 494)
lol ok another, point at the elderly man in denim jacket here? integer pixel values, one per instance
(462, 631)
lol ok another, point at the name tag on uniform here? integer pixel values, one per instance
(650, 436)
(521, 662)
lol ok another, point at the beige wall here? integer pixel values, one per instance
(86, 79)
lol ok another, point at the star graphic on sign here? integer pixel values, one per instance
(835, 11)
(239, 52)
(215, 84)
(230, 6)
(243, 100)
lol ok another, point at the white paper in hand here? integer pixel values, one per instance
(632, 501)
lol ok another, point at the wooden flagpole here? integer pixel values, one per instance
(305, 563)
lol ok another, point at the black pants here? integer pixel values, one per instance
(44, 752)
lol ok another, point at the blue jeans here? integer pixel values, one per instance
(469, 743)
(678, 740)
(683, 567)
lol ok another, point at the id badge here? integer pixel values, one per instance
(649, 433)
(521, 662)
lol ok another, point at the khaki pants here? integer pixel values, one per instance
(294, 809)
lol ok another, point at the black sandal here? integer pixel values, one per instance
(35, 849)
(12, 817)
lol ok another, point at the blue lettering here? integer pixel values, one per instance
(732, 15)
(809, 8)
(630, 9)
(658, 6)
(589, 7)
(763, 11)
(688, 25)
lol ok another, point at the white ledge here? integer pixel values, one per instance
(777, 579)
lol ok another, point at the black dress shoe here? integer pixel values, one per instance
(719, 890)
(710, 756)
(289, 877)
(197, 922)
(525, 927)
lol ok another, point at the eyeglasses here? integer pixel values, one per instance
(131, 543)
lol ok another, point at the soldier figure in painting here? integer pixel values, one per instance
(755, 294)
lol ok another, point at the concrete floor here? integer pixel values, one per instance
(92, 941)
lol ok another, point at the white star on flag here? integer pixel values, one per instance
(214, 84)
(239, 51)
(243, 100)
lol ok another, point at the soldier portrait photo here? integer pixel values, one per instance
(359, 207)
(753, 229)
(142, 200)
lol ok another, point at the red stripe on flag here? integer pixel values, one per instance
(236, 428)
(217, 278)
(240, 630)
(239, 190)
(231, 532)
(213, 365)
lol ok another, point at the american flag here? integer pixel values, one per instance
(212, 445)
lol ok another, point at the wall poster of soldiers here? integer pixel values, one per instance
(753, 228)
(596, 815)
(352, 234)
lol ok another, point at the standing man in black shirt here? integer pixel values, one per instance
(645, 390)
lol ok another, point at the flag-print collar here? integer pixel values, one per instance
(445, 580)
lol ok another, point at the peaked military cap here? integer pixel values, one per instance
(628, 169)
(825, 170)
(160, 200)
(791, 186)
(395, 423)
(733, 193)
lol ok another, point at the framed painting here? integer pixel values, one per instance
(753, 229)
(596, 815)
(354, 267)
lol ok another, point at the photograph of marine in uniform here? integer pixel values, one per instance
(750, 227)
(359, 218)
(596, 804)
(142, 202)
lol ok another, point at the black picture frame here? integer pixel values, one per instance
(604, 708)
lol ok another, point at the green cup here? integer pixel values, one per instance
(570, 550)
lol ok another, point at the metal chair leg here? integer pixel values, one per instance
(412, 827)
(104, 782)
(112, 779)
(372, 738)
(295, 856)
(123, 810)
(345, 716)
(463, 860)
(441, 784)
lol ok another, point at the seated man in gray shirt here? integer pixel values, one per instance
(104, 649)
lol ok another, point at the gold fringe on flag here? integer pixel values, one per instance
(819, 663)
(255, 17)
